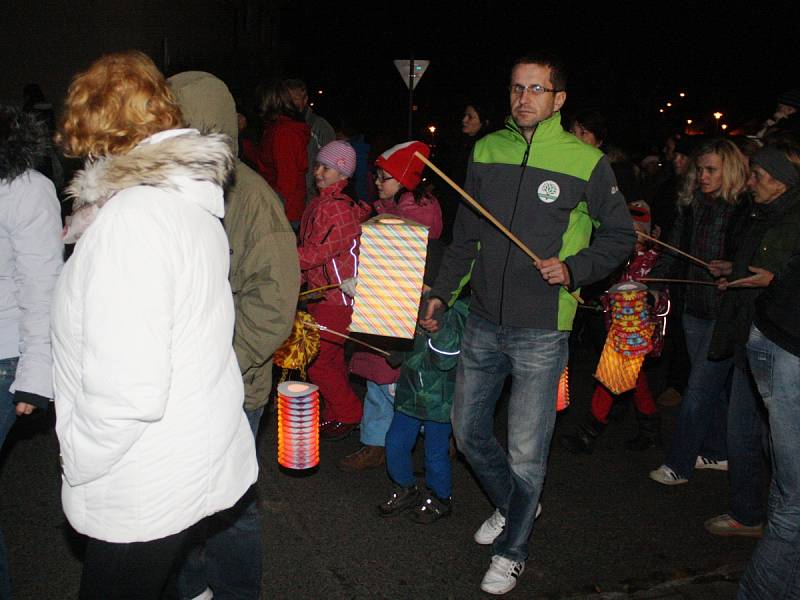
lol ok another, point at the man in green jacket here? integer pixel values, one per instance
(559, 196)
(265, 280)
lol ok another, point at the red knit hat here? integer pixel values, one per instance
(640, 213)
(399, 162)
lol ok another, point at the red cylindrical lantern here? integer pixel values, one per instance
(298, 425)
(562, 399)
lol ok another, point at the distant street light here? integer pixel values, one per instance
(319, 92)
(661, 110)
(432, 129)
(682, 95)
(717, 116)
(688, 121)
(669, 104)
(724, 126)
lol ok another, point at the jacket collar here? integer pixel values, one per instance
(545, 130)
(333, 190)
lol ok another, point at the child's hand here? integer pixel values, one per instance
(348, 286)
(432, 315)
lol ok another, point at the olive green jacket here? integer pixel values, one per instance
(265, 272)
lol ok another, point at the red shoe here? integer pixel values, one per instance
(335, 430)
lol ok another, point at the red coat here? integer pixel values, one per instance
(329, 241)
(427, 212)
(282, 159)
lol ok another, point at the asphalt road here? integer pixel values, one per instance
(607, 531)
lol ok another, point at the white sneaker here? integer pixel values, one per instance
(667, 476)
(206, 595)
(502, 575)
(493, 526)
(703, 462)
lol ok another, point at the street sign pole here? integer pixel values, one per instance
(411, 99)
(411, 71)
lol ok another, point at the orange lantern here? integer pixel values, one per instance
(298, 425)
(562, 400)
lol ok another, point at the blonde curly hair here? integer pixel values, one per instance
(116, 103)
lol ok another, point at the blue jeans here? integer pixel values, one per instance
(702, 419)
(535, 359)
(774, 569)
(746, 444)
(378, 413)
(400, 440)
(8, 416)
(228, 554)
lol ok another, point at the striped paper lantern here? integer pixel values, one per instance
(298, 425)
(390, 271)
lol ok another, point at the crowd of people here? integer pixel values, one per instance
(189, 244)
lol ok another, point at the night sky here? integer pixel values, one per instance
(627, 59)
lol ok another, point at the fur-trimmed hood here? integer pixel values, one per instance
(160, 161)
(176, 160)
(23, 142)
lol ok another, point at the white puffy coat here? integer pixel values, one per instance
(148, 393)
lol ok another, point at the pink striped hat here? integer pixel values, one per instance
(340, 156)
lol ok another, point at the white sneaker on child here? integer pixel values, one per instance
(502, 575)
(493, 526)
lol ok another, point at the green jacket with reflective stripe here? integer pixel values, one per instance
(559, 197)
(427, 378)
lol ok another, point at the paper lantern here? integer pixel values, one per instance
(629, 338)
(298, 425)
(390, 271)
(562, 399)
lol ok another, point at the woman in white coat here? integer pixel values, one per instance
(147, 389)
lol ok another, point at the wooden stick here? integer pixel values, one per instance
(319, 289)
(536, 260)
(659, 280)
(480, 209)
(347, 337)
(674, 249)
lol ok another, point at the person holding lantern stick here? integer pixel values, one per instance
(559, 197)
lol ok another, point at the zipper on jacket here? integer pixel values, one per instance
(511, 225)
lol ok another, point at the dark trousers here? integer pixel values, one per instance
(134, 571)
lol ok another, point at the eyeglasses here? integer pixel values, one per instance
(517, 89)
(383, 178)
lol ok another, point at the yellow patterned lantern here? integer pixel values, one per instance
(299, 349)
(390, 271)
(629, 337)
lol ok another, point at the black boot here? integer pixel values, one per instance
(649, 435)
(584, 437)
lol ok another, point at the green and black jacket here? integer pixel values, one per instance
(428, 375)
(556, 194)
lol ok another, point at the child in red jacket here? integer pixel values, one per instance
(329, 244)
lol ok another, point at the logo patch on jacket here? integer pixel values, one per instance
(548, 191)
